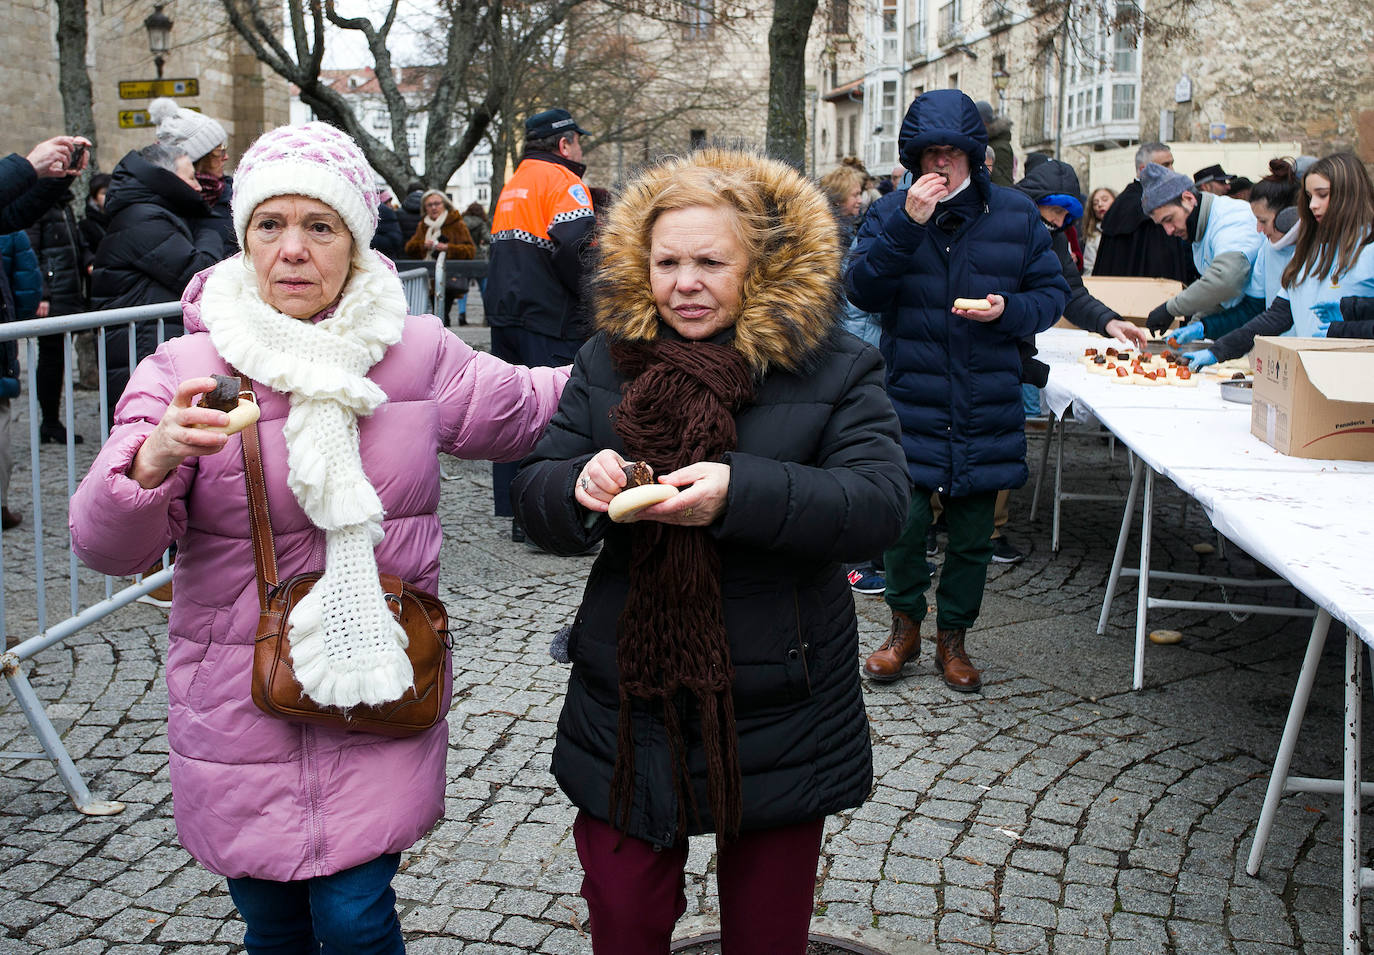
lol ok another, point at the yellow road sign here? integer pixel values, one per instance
(147, 89)
(137, 118)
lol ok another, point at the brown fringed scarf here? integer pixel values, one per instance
(678, 409)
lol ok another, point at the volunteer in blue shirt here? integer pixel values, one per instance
(1225, 245)
(1333, 260)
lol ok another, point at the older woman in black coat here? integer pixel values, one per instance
(713, 686)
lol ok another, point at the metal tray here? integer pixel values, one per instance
(1241, 391)
(1157, 346)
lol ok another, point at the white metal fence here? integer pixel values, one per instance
(25, 557)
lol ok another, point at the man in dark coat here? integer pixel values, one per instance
(953, 374)
(999, 141)
(1131, 243)
(160, 236)
(544, 222)
(64, 260)
(409, 215)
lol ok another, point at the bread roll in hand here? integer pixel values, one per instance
(972, 304)
(240, 406)
(640, 492)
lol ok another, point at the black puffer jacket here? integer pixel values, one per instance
(817, 478)
(63, 256)
(160, 236)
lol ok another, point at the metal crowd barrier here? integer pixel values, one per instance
(471, 269)
(115, 593)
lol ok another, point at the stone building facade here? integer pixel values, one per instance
(234, 87)
(1247, 71)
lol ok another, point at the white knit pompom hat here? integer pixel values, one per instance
(194, 132)
(314, 160)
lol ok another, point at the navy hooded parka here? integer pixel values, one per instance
(955, 382)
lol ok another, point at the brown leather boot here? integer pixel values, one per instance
(903, 644)
(954, 664)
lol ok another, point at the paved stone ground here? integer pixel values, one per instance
(1056, 812)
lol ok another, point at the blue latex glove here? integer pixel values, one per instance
(1326, 312)
(1201, 359)
(1188, 333)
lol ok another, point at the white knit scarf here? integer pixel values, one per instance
(433, 229)
(346, 647)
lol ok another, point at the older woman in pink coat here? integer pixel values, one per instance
(356, 397)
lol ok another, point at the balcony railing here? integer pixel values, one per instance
(916, 42)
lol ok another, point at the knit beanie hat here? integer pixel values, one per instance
(194, 132)
(985, 110)
(1160, 185)
(314, 160)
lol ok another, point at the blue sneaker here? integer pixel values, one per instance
(867, 581)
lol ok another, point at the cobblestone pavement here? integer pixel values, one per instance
(1056, 812)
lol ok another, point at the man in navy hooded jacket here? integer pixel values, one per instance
(954, 375)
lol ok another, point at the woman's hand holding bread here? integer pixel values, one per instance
(691, 497)
(179, 434)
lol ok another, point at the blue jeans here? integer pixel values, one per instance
(352, 912)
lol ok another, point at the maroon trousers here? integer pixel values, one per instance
(766, 879)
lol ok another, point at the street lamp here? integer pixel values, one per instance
(159, 27)
(1000, 79)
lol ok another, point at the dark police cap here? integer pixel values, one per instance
(551, 122)
(1211, 174)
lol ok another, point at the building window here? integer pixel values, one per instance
(953, 81)
(698, 19)
(839, 17)
(951, 18)
(889, 16)
(698, 138)
(1123, 101)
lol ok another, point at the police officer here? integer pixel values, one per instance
(543, 223)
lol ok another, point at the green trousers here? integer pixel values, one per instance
(964, 572)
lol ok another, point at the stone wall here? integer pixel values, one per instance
(1299, 70)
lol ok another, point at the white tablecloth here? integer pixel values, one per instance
(1310, 521)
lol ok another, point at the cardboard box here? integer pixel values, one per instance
(1131, 298)
(1314, 397)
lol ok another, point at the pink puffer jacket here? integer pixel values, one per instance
(254, 796)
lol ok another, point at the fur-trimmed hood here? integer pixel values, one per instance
(791, 296)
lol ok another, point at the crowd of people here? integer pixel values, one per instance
(826, 380)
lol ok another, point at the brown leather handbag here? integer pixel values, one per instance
(275, 690)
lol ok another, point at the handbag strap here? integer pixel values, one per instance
(260, 522)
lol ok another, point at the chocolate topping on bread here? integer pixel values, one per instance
(638, 474)
(224, 397)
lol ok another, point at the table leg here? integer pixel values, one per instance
(1142, 599)
(1278, 779)
(1137, 469)
(1058, 489)
(1050, 428)
(1350, 869)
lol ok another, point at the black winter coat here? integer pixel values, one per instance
(63, 256)
(221, 218)
(23, 196)
(388, 239)
(1357, 314)
(409, 215)
(1132, 244)
(160, 236)
(818, 478)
